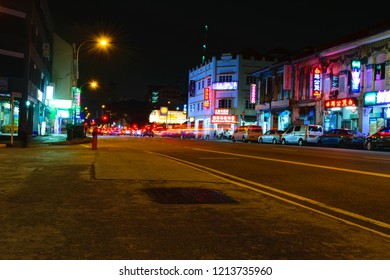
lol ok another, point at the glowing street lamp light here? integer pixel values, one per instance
(100, 43)
(91, 84)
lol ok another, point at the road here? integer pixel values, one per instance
(159, 198)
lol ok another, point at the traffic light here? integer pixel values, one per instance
(104, 118)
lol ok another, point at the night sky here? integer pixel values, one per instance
(157, 42)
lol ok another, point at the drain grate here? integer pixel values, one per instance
(188, 196)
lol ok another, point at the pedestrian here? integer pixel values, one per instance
(94, 138)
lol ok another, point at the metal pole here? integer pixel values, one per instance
(12, 118)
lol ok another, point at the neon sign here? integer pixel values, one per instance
(206, 95)
(225, 85)
(317, 82)
(223, 119)
(253, 94)
(355, 76)
(374, 98)
(221, 111)
(344, 102)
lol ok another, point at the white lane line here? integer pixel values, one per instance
(225, 176)
(300, 163)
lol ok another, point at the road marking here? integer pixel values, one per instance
(300, 163)
(217, 158)
(225, 177)
(86, 146)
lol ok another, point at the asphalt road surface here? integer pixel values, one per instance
(174, 199)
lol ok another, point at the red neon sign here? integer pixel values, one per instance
(340, 102)
(206, 96)
(223, 119)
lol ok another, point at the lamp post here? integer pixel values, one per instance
(100, 42)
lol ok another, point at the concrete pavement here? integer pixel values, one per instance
(53, 139)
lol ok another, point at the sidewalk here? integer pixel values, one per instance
(53, 139)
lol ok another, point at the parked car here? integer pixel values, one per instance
(341, 137)
(302, 134)
(273, 136)
(247, 133)
(378, 140)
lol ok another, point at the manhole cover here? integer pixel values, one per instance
(188, 196)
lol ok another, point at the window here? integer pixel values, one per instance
(270, 86)
(225, 103)
(380, 72)
(227, 78)
(249, 105)
(208, 81)
(307, 86)
(250, 80)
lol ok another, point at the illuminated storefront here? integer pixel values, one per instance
(9, 117)
(377, 106)
(341, 113)
(223, 120)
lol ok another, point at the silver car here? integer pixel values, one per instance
(272, 136)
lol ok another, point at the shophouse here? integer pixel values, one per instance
(341, 84)
(25, 67)
(222, 93)
(356, 89)
(285, 92)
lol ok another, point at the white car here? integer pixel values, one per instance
(302, 134)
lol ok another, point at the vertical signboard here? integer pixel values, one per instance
(192, 88)
(355, 76)
(317, 82)
(253, 94)
(206, 97)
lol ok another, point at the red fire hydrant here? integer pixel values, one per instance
(94, 138)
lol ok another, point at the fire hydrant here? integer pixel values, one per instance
(94, 138)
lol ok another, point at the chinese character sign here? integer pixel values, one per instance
(206, 96)
(341, 102)
(224, 119)
(317, 82)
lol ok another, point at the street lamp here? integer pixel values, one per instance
(100, 42)
(92, 84)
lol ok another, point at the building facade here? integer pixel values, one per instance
(343, 86)
(221, 96)
(25, 67)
